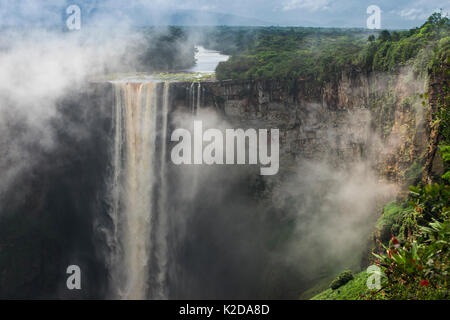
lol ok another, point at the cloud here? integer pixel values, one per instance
(37, 69)
(419, 9)
(415, 14)
(312, 5)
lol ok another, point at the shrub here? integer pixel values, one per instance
(417, 264)
(341, 279)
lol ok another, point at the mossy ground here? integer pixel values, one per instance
(391, 214)
(185, 76)
(162, 76)
(355, 289)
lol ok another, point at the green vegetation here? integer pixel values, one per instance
(391, 220)
(417, 262)
(416, 258)
(415, 239)
(341, 279)
(355, 289)
(445, 152)
(414, 172)
(320, 285)
(294, 53)
(184, 76)
(161, 76)
(414, 234)
(321, 55)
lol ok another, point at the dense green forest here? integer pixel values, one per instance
(322, 54)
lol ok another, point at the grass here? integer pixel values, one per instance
(353, 290)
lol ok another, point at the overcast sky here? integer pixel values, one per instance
(398, 14)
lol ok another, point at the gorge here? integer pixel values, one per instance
(107, 197)
(146, 233)
(340, 127)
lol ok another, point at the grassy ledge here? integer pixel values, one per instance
(355, 289)
(162, 76)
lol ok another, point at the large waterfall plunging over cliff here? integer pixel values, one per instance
(138, 258)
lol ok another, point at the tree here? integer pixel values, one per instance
(384, 36)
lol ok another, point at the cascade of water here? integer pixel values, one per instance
(163, 220)
(195, 107)
(113, 237)
(133, 209)
(199, 98)
(195, 97)
(192, 97)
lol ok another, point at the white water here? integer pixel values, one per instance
(138, 261)
(134, 181)
(207, 60)
(199, 98)
(163, 221)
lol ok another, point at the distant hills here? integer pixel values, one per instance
(133, 16)
(197, 18)
(145, 17)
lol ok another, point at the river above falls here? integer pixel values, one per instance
(207, 60)
(203, 70)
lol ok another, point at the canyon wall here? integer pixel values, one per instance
(346, 149)
(60, 214)
(380, 117)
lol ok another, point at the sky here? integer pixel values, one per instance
(399, 14)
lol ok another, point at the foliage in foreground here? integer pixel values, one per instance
(417, 266)
(416, 262)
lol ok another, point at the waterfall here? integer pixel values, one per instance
(195, 105)
(199, 98)
(163, 221)
(195, 97)
(138, 193)
(192, 97)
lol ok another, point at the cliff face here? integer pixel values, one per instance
(377, 122)
(437, 91)
(380, 118)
